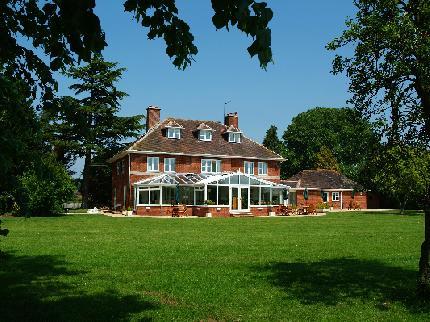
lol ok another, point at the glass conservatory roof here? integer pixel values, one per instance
(226, 178)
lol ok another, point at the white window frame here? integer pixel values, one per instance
(174, 133)
(248, 165)
(209, 163)
(149, 189)
(168, 166)
(150, 165)
(262, 168)
(205, 135)
(118, 166)
(234, 137)
(333, 194)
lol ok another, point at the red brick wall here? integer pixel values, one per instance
(184, 164)
(199, 211)
(192, 164)
(314, 197)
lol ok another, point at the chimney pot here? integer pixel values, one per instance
(152, 116)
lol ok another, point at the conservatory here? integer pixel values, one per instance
(229, 192)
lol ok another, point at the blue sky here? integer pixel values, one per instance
(298, 80)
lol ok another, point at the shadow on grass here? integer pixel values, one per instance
(409, 213)
(343, 280)
(34, 288)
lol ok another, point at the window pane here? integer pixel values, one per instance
(143, 197)
(186, 195)
(262, 168)
(169, 164)
(152, 163)
(265, 196)
(255, 182)
(154, 196)
(223, 181)
(200, 195)
(277, 196)
(213, 164)
(234, 179)
(169, 195)
(244, 180)
(249, 167)
(255, 191)
(212, 194)
(223, 195)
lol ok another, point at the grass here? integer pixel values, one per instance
(350, 266)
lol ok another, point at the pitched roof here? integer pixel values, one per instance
(156, 141)
(321, 178)
(172, 123)
(204, 126)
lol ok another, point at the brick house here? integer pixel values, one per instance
(326, 186)
(209, 166)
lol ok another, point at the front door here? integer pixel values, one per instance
(239, 200)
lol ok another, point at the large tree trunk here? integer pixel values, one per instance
(424, 265)
(86, 180)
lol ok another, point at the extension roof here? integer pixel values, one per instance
(321, 179)
(155, 141)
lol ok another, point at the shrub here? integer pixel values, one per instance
(44, 188)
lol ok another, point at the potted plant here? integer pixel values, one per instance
(129, 212)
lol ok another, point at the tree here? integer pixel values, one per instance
(406, 174)
(390, 80)
(326, 160)
(272, 141)
(65, 30)
(43, 188)
(88, 126)
(349, 138)
(20, 135)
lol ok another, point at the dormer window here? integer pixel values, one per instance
(173, 130)
(173, 133)
(205, 135)
(234, 137)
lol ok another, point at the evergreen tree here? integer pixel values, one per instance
(326, 160)
(272, 141)
(88, 126)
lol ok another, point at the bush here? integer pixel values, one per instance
(44, 188)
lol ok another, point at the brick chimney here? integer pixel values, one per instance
(152, 116)
(232, 119)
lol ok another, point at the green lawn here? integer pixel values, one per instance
(351, 266)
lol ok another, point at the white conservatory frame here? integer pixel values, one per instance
(244, 186)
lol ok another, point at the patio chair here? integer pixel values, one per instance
(312, 210)
(179, 211)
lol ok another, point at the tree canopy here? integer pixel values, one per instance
(67, 31)
(341, 131)
(390, 70)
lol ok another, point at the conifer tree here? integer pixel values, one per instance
(88, 125)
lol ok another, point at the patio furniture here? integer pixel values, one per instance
(179, 211)
(311, 210)
(283, 210)
(304, 210)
